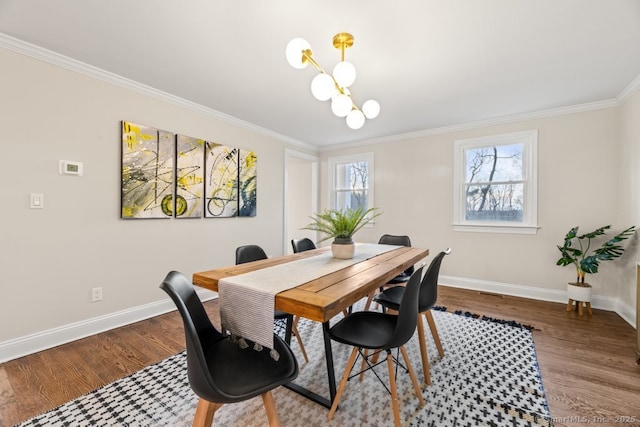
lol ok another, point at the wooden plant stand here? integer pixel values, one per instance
(578, 306)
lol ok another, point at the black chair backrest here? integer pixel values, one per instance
(407, 312)
(199, 333)
(248, 253)
(301, 245)
(429, 286)
(390, 239)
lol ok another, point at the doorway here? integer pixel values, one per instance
(301, 179)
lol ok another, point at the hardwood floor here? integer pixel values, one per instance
(587, 363)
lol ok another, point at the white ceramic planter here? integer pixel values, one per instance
(343, 250)
(579, 293)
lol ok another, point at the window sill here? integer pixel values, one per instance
(492, 228)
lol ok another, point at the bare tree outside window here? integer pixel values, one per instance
(494, 184)
(353, 179)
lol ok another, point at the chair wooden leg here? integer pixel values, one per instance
(294, 329)
(270, 407)
(205, 412)
(363, 364)
(374, 359)
(423, 352)
(369, 300)
(343, 382)
(434, 332)
(412, 374)
(394, 390)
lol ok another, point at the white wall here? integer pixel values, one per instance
(578, 162)
(52, 257)
(629, 206)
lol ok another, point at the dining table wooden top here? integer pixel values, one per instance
(324, 297)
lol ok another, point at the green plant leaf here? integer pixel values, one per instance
(582, 257)
(598, 232)
(345, 223)
(570, 235)
(589, 264)
(611, 249)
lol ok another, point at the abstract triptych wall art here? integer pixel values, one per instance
(165, 175)
(147, 172)
(189, 178)
(248, 162)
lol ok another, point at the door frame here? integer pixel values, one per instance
(315, 183)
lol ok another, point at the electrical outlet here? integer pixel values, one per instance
(96, 294)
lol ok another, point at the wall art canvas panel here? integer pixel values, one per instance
(221, 181)
(147, 172)
(189, 177)
(247, 183)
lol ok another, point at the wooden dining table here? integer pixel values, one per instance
(325, 296)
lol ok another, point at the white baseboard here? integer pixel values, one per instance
(22, 346)
(627, 312)
(598, 301)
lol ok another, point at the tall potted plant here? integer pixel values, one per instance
(341, 225)
(577, 251)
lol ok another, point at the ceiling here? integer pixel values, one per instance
(430, 64)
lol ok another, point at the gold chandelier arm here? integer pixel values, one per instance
(308, 57)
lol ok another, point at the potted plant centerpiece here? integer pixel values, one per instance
(578, 252)
(341, 225)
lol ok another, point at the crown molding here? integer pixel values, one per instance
(45, 55)
(629, 91)
(54, 58)
(598, 105)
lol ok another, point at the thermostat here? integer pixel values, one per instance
(68, 167)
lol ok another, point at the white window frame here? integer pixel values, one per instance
(529, 224)
(334, 162)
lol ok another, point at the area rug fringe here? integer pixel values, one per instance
(488, 318)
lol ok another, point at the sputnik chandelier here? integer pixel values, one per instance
(334, 87)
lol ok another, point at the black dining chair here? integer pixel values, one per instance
(372, 330)
(301, 245)
(219, 370)
(391, 298)
(249, 253)
(391, 239)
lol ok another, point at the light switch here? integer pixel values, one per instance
(36, 201)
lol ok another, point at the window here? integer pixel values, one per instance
(495, 185)
(351, 181)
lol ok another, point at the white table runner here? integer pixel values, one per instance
(247, 300)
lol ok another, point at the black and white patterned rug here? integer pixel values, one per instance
(489, 376)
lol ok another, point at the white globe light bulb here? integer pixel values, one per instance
(344, 73)
(294, 52)
(341, 105)
(323, 87)
(355, 119)
(371, 109)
